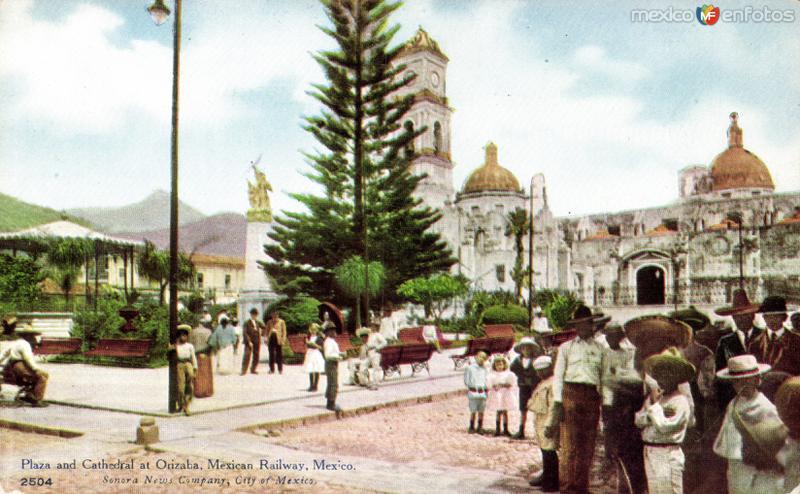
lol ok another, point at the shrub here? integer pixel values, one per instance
(298, 313)
(506, 314)
(560, 310)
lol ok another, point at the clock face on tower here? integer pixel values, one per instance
(719, 246)
(435, 79)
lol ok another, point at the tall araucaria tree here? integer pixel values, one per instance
(361, 165)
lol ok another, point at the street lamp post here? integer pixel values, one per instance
(159, 13)
(530, 261)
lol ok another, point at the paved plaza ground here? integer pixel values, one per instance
(106, 404)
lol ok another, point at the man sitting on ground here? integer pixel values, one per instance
(18, 365)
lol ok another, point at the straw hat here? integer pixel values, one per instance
(742, 366)
(183, 328)
(526, 341)
(773, 305)
(657, 331)
(9, 319)
(669, 368)
(787, 401)
(542, 362)
(741, 305)
(362, 332)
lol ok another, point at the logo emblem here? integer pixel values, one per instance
(707, 15)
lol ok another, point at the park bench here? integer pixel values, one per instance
(501, 345)
(297, 343)
(415, 354)
(414, 335)
(343, 340)
(474, 346)
(498, 331)
(58, 346)
(113, 347)
(411, 335)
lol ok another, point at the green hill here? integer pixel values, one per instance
(18, 215)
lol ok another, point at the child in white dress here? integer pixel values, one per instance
(314, 362)
(501, 383)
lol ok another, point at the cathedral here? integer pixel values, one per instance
(727, 226)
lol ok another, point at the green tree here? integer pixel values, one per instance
(153, 264)
(19, 281)
(351, 275)
(517, 226)
(65, 257)
(360, 165)
(435, 293)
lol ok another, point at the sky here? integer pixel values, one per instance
(606, 108)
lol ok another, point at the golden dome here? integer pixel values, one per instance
(491, 176)
(738, 168)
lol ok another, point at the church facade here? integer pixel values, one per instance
(684, 252)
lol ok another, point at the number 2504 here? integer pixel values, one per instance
(35, 481)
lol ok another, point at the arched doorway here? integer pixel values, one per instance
(650, 286)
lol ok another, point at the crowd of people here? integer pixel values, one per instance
(684, 404)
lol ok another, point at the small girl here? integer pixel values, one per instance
(314, 363)
(501, 384)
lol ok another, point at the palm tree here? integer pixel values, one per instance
(517, 226)
(154, 265)
(65, 257)
(350, 276)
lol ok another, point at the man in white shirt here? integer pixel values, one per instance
(577, 388)
(19, 366)
(187, 367)
(332, 357)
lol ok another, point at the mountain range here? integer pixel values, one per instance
(223, 234)
(151, 213)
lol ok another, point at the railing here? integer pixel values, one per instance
(699, 292)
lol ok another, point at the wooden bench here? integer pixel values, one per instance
(414, 335)
(501, 345)
(474, 346)
(498, 331)
(415, 354)
(58, 346)
(411, 335)
(297, 343)
(343, 340)
(113, 347)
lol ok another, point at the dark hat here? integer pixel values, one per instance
(600, 318)
(741, 305)
(657, 333)
(613, 329)
(693, 317)
(773, 305)
(581, 314)
(253, 311)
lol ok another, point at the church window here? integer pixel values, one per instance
(726, 195)
(476, 210)
(500, 272)
(227, 282)
(498, 208)
(614, 230)
(199, 280)
(756, 192)
(437, 137)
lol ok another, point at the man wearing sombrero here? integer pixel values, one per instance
(776, 346)
(18, 365)
(577, 386)
(737, 439)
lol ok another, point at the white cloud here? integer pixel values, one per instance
(595, 59)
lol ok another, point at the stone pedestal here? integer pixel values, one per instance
(257, 291)
(147, 432)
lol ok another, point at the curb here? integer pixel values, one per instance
(349, 413)
(39, 429)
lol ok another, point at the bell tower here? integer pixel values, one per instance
(422, 56)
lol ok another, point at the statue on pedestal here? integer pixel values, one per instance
(260, 209)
